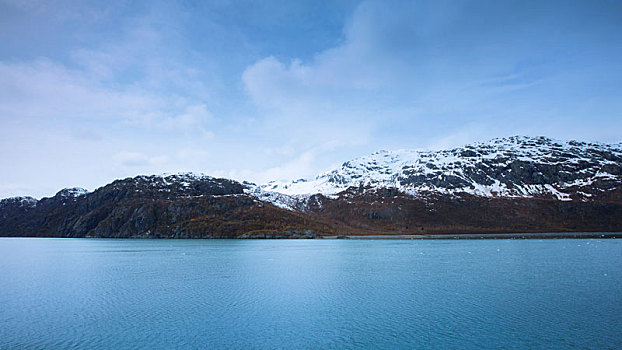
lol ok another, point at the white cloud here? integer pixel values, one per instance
(45, 89)
(137, 159)
(137, 78)
(153, 94)
(117, 108)
(131, 158)
(192, 119)
(382, 49)
(300, 166)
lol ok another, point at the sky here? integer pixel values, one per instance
(92, 91)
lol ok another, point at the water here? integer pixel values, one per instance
(116, 294)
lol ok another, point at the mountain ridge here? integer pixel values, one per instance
(484, 169)
(516, 184)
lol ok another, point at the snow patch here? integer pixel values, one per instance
(481, 169)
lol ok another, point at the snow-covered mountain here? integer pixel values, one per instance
(516, 166)
(515, 184)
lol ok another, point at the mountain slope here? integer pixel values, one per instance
(172, 206)
(516, 184)
(507, 167)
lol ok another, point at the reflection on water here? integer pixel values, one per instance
(77, 293)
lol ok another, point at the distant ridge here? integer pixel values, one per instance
(514, 184)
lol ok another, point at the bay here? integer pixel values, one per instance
(266, 294)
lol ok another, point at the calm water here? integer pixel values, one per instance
(113, 294)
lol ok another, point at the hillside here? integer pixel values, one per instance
(506, 167)
(516, 184)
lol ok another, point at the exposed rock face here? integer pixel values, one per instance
(18, 203)
(174, 206)
(517, 184)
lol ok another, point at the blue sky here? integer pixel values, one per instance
(92, 91)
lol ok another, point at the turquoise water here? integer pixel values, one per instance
(115, 294)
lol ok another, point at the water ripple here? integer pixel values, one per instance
(103, 294)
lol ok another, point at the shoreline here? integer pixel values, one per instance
(440, 236)
(540, 235)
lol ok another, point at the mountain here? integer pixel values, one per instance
(168, 206)
(511, 167)
(515, 184)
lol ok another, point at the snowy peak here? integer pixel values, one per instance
(516, 166)
(71, 192)
(172, 186)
